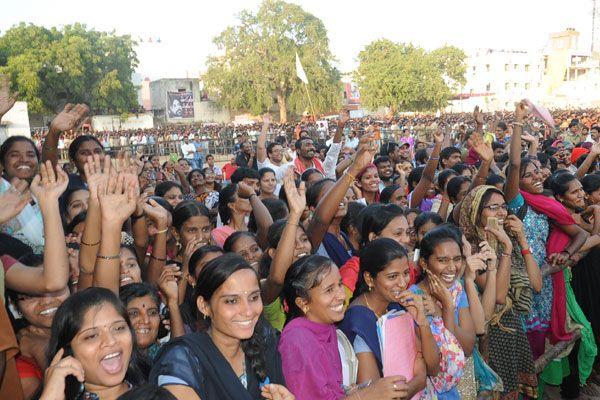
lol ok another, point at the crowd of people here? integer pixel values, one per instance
(270, 276)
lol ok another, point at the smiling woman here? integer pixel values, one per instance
(236, 356)
(92, 349)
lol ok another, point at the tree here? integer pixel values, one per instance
(404, 77)
(49, 67)
(256, 62)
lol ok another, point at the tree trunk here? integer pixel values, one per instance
(282, 107)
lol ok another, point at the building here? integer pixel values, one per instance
(183, 101)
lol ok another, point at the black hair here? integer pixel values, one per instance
(375, 217)
(460, 168)
(227, 195)
(136, 290)
(502, 125)
(234, 237)
(18, 250)
(163, 203)
(421, 156)
(199, 254)
(63, 203)
(590, 183)
(266, 170)
(454, 185)
(435, 237)
(277, 209)
(186, 210)
(426, 217)
(414, 177)
(444, 176)
(494, 179)
(497, 145)
(525, 162)
(351, 217)
(298, 143)
(76, 144)
(313, 194)
(162, 188)
(303, 275)
(308, 172)
(68, 321)
(381, 159)
(242, 173)
(559, 182)
(387, 192)
(388, 148)
(147, 391)
(78, 219)
(211, 278)
(8, 143)
(274, 236)
(271, 145)
(374, 257)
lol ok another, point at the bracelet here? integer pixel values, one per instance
(434, 158)
(292, 223)
(157, 259)
(352, 177)
(90, 244)
(525, 252)
(162, 231)
(50, 148)
(518, 124)
(503, 254)
(115, 257)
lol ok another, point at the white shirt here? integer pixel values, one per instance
(186, 148)
(279, 169)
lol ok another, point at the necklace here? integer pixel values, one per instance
(371, 308)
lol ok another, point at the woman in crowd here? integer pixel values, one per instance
(171, 191)
(315, 296)
(244, 244)
(267, 183)
(367, 181)
(384, 280)
(450, 320)
(92, 349)
(236, 356)
(394, 194)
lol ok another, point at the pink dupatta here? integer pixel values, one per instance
(558, 240)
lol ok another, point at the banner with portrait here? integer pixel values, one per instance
(180, 105)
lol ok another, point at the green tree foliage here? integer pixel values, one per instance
(49, 67)
(256, 62)
(407, 78)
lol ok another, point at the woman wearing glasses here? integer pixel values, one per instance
(517, 273)
(441, 260)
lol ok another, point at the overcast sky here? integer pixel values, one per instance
(186, 27)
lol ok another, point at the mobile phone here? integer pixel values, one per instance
(492, 223)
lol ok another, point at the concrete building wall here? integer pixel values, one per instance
(115, 122)
(15, 122)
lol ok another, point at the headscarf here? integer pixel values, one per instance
(520, 292)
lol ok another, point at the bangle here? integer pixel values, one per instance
(352, 177)
(115, 257)
(525, 252)
(292, 223)
(162, 231)
(157, 259)
(90, 244)
(518, 124)
(503, 254)
(50, 148)
(434, 158)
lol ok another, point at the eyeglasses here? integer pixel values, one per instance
(496, 207)
(446, 260)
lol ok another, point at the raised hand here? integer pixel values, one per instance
(500, 235)
(69, 118)
(295, 197)
(483, 149)
(266, 119)
(7, 99)
(56, 374)
(475, 263)
(118, 198)
(344, 116)
(478, 116)
(522, 110)
(49, 186)
(97, 173)
(14, 200)
(244, 190)
(168, 283)
(156, 213)
(365, 153)
(438, 136)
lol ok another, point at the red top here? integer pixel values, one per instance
(228, 170)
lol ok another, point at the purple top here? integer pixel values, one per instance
(310, 360)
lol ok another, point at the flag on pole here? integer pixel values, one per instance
(300, 71)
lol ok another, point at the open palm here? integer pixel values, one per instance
(118, 199)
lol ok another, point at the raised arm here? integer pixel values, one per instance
(329, 165)
(167, 283)
(591, 157)
(261, 213)
(284, 254)
(117, 203)
(158, 258)
(511, 188)
(69, 118)
(486, 154)
(328, 204)
(428, 173)
(46, 188)
(261, 144)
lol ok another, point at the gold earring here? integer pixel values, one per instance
(306, 310)
(370, 288)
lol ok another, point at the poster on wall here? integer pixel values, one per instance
(180, 105)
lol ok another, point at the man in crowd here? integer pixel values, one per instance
(270, 156)
(188, 150)
(306, 156)
(385, 171)
(246, 156)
